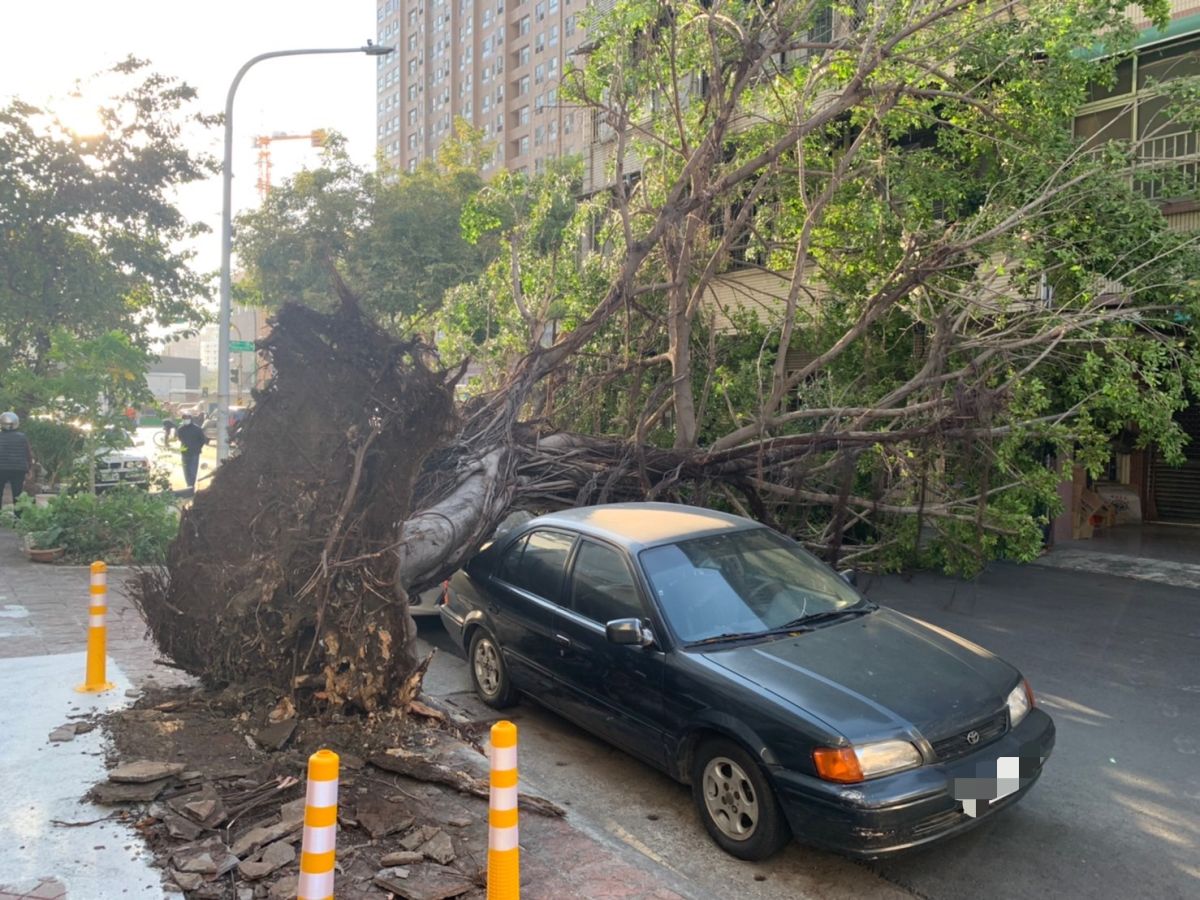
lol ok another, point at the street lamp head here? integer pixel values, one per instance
(377, 49)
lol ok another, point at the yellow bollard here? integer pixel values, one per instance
(504, 859)
(320, 828)
(95, 680)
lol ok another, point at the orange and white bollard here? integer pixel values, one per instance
(95, 679)
(320, 828)
(504, 859)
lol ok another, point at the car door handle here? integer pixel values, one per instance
(562, 640)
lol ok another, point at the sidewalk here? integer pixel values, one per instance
(1163, 554)
(43, 623)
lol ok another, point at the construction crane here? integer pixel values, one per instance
(263, 143)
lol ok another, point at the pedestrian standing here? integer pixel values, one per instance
(191, 440)
(16, 456)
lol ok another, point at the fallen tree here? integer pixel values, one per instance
(906, 184)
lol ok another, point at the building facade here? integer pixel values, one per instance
(498, 64)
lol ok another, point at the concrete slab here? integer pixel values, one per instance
(43, 782)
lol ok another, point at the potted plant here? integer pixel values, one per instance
(44, 546)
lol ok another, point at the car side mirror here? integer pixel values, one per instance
(850, 576)
(628, 632)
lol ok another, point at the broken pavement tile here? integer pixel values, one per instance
(285, 888)
(417, 837)
(189, 881)
(439, 848)
(402, 858)
(381, 817)
(431, 883)
(180, 828)
(276, 856)
(262, 835)
(293, 811)
(144, 770)
(275, 736)
(208, 857)
(108, 794)
(203, 806)
(389, 878)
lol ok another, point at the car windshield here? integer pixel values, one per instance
(745, 583)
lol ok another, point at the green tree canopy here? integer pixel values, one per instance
(90, 243)
(392, 236)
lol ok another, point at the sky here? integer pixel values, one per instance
(46, 46)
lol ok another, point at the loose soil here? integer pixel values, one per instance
(241, 770)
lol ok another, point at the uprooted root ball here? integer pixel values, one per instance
(283, 572)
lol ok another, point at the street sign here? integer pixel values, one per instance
(241, 346)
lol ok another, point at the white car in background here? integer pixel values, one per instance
(128, 466)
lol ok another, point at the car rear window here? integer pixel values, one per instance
(536, 563)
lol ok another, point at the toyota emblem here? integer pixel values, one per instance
(972, 737)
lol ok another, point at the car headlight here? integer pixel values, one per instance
(849, 765)
(1019, 702)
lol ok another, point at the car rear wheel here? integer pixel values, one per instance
(489, 675)
(736, 802)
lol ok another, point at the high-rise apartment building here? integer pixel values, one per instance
(498, 64)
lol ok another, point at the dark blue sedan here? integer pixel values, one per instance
(719, 651)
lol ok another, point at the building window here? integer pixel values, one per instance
(552, 131)
(522, 27)
(539, 136)
(522, 56)
(539, 73)
(539, 11)
(522, 115)
(524, 145)
(539, 42)
(539, 103)
(522, 86)
(569, 26)
(553, 40)
(568, 123)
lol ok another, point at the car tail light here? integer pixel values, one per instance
(445, 597)
(838, 764)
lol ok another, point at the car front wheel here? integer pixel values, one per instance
(736, 802)
(489, 675)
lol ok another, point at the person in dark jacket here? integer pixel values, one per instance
(16, 456)
(191, 440)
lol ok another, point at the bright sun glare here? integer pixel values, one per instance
(79, 116)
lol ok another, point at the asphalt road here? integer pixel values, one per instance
(1116, 813)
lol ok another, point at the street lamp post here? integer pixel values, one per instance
(227, 232)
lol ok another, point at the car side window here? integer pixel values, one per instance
(601, 587)
(512, 559)
(539, 568)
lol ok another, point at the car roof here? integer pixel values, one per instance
(638, 525)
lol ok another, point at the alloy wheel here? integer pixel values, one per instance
(730, 798)
(487, 666)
